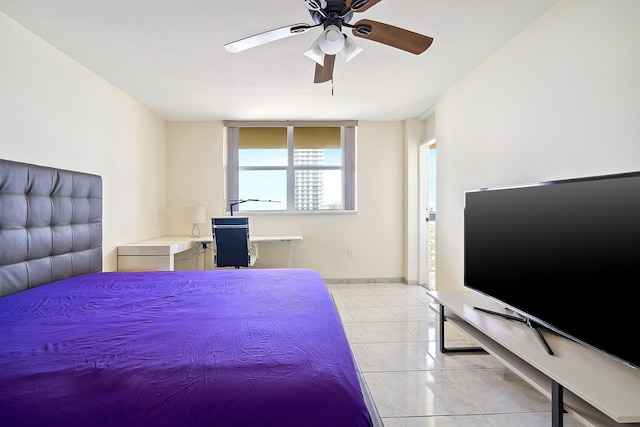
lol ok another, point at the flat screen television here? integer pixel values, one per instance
(563, 254)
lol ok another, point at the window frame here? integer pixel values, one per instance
(347, 167)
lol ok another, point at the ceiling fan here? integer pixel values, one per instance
(332, 16)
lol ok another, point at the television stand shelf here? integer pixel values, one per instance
(596, 389)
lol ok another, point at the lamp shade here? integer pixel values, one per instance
(331, 40)
(196, 214)
(351, 49)
(316, 53)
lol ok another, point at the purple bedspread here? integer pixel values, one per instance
(254, 347)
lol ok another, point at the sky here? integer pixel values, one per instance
(272, 185)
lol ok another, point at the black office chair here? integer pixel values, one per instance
(231, 244)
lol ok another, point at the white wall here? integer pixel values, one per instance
(54, 112)
(561, 100)
(195, 176)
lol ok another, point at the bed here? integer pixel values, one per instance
(194, 348)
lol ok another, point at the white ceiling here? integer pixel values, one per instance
(169, 55)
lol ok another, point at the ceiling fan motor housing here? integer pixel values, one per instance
(335, 13)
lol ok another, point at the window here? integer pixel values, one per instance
(288, 166)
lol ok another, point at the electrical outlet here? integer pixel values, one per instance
(350, 253)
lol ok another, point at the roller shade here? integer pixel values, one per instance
(262, 137)
(316, 137)
(276, 137)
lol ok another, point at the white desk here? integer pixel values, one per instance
(152, 254)
(159, 253)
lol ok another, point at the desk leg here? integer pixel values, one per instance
(213, 258)
(290, 253)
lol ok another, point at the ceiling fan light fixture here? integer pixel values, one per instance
(331, 40)
(316, 53)
(350, 50)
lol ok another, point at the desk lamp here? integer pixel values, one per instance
(196, 215)
(233, 203)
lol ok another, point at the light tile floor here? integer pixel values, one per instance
(394, 333)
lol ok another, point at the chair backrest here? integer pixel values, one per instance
(231, 241)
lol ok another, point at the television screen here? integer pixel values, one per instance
(565, 254)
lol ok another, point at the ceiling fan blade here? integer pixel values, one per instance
(369, 4)
(315, 4)
(392, 36)
(324, 74)
(266, 37)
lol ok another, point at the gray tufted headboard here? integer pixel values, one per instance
(50, 225)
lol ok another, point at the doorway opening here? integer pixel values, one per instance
(427, 204)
